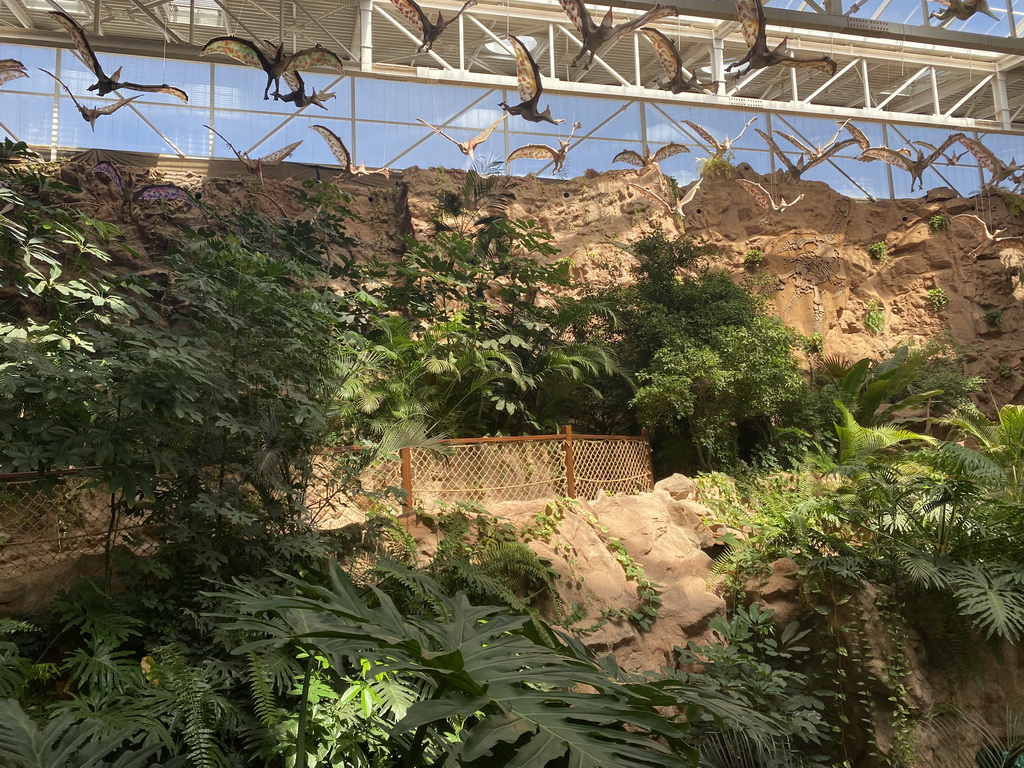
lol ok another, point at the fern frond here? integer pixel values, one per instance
(263, 699)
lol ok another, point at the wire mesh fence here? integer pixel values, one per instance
(45, 520)
(496, 469)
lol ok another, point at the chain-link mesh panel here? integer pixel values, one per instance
(44, 522)
(612, 466)
(489, 472)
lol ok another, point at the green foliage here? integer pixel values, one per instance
(753, 258)
(938, 223)
(813, 344)
(763, 667)
(715, 373)
(485, 670)
(477, 554)
(938, 299)
(876, 391)
(993, 317)
(1014, 202)
(717, 166)
(879, 252)
(488, 341)
(1005, 372)
(64, 742)
(874, 317)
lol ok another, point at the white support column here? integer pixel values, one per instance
(718, 64)
(1002, 102)
(636, 62)
(794, 86)
(643, 127)
(365, 35)
(866, 79)
(936, 109)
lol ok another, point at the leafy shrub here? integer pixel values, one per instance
(938, 223)
(813, 344)
(716, 374)
(717, 167)
(879, 252)
(874, 317)
(938, 299)
(993, 317)
(753, 258)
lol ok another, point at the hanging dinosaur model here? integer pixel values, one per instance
(596, 36)
(431, 30)
(530, 88)
(105, 84)
(275, 63)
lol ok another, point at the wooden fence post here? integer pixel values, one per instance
(406, 455)
(645, 433)
(570, 468)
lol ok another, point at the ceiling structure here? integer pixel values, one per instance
(912, 71)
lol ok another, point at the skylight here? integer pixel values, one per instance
(207, 13)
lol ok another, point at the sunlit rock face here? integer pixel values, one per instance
(817, 269)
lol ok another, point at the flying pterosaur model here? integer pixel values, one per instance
(92, 114)
(719, 148)
(467, 147)
(342, 155)
(861, 138)
(431, 30)
(105, 84)
(131, 194)
(677, 207)
(668, 55)
(276, 63)
(753, 27)
(986, 159)
(257, 165)
(764, 200)
(544, 152)
(530, 88)
(597, 36)
(953, 158)
(642, 161)
(901, 159)
(298, 95)
(961, 9)
(11, 69)
(808, 157)
(988, 239)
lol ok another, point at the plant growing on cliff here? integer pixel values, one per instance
(938, 299)
(879, 252)
(938, 223)
(715, 372)
(753, 258)
(717, 166)
(874, 317)
(993, 317)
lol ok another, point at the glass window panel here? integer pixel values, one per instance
(34, 59)
(122, 130)
(182, 125)
(30, 118)
(242, 88)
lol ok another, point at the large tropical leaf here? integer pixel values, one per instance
(64, 742)
(993, 598)
(486, 668)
